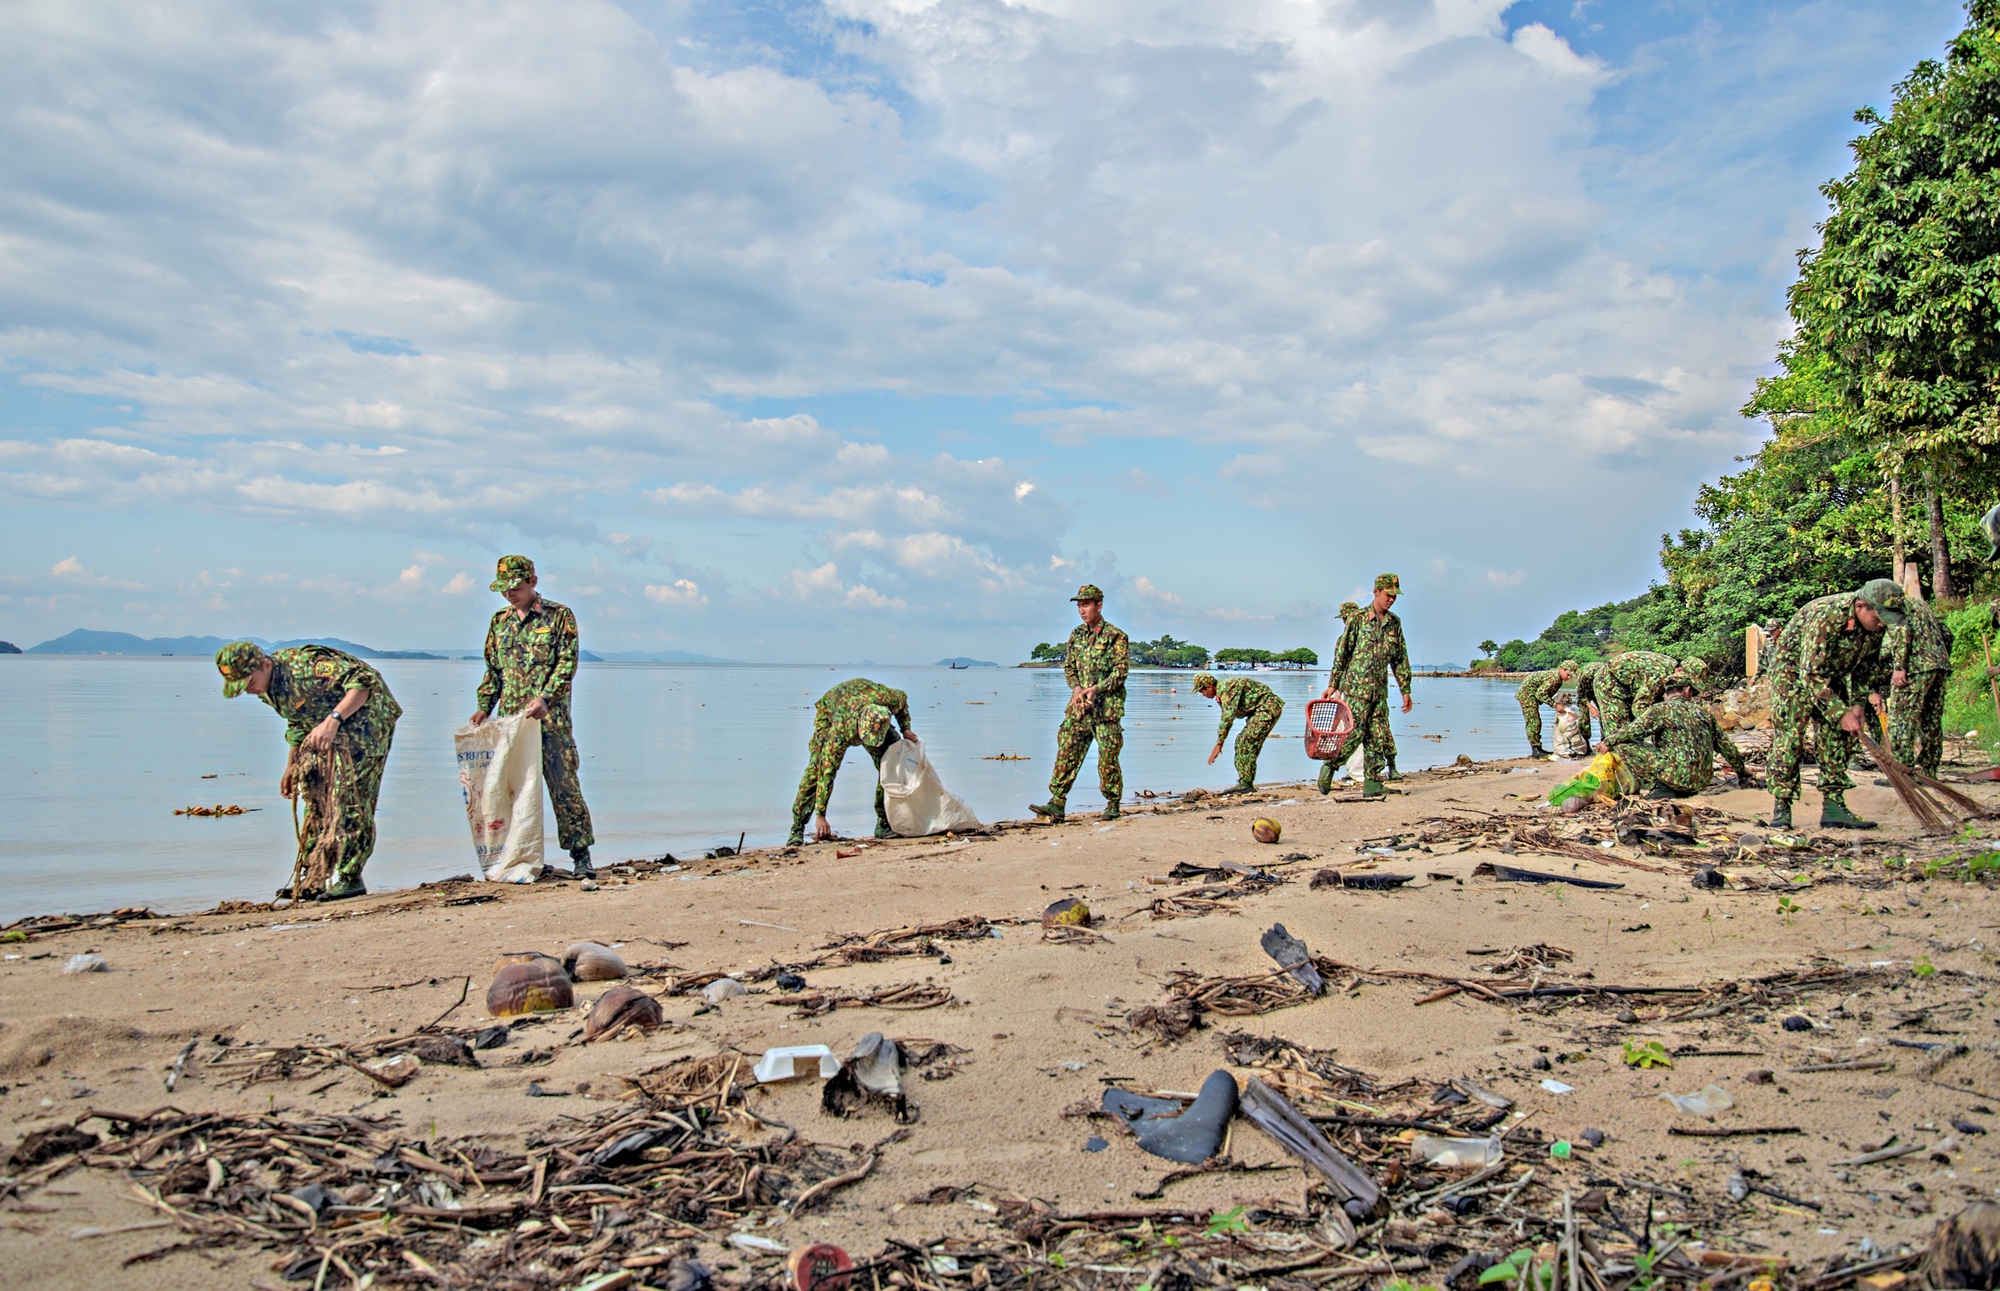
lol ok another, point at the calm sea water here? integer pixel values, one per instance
(97, 753)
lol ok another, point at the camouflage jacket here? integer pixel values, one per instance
(1242, 697)
(1586, 681)
(1100, 657)
(1922, 644)
(1540, 687)
(1687, 739)
(837, 715)
(1368, 650)
(1641, 672)
(529, 657)
(1821, 661)
(308, 680)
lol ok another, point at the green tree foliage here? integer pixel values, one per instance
(1169, 653)
(1489, 648)
(1302, 657)
(1046, 652)
(1243, 654)
(1582, 635)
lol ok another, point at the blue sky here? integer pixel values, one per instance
(802, 331)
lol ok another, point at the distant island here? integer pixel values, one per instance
(84, 641)
(8, 647)
(960, 661)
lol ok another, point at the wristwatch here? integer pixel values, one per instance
(338, 719)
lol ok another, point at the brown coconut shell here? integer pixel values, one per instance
(1070, 911)
(589, 962)
(623, 1006)
(534, 985)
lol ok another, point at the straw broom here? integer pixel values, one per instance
(1937, 806)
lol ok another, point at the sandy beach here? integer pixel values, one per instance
(1038, 1026)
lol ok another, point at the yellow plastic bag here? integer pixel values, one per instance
(1614, 778)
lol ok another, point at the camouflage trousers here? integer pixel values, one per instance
(1916, 721)
(559, 773)
(356, 787)
(1792, 712)
(823, 759)
(1616, 708)
(1649, 770)
(1073, 739)
(1250, 740)
(1531, 717)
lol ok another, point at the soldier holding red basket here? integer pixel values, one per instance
(1372, 647)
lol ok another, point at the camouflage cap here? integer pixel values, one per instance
(1693, 668)
(1886, 598)
(1204, 680)
(1348, 609)
(1389, 583)
(1568, 665)
(511, 572)
(1088, 592)
(875, 725)
(236, 661)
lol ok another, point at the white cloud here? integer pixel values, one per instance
(1143, 587)
(460, 584)
(822, 586)
(1506, 578)
(412, 576)
(681, 592)
(69, 566)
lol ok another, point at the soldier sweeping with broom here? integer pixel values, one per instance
(339, 722)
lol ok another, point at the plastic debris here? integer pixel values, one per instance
(1274, 1114)
(1455, 1153)
(756, 1245)
(821, 1266)
(1797, 1023)
(396, 1070)
(86, 964)
(1557, 1087)
(1292, 956)
(1094, 1144)
(723, 988)
(1706, 1101)
(1189, 1133)
(1513, 874)
(1560, 1149)
(782, 1063)
(1472, 1088)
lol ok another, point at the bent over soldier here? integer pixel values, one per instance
(340, 720)
(1631, 683)
(1919, 657)
(1540, 688)
(531, 656)
(1828, 668)
(857, 712)
(1671, 748)
(1259, 707)
(1587, 678)
(1370, 649)
(1095, 662)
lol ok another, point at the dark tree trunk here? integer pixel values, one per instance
(1940, 550)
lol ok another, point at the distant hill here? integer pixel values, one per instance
(88, 642)
(8, 647)
(960, 661)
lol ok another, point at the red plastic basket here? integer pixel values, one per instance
(1328, 722)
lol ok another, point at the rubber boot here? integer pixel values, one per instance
(798, 839)
(1051, 811)
(1833, 814)
(341, 886)
(1391, 773)
(882, 830)
(1537, 751)
(1781, 813)
(580, 861)
(1111, 812)
(1241, 786)
(1325, 778)
(1372, 789)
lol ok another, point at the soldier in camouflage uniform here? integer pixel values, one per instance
(531, 656)
(1259, 707)
(1095, 661)
(1826, 670)
(1377, 736)
(1631, 683)
(1372, 646)
(1587, 678)
(336, 706)
(1671, 748)
(1540, 688)
(1919, 656)
(857, 712)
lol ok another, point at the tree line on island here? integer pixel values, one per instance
(1169, 653)
(1883, 415)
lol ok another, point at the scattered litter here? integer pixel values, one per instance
(396, 1070)
(1557, 1087)
(821, 1266)
(1272, 1113)
(1094, 1144)
(759, 923)
(1797, 1023)
(1560, 1149)
(782, 1063)
(1472, 1088)
(723, 988)
(1166, 1127)
(873, 1071)
(1509, 874)
(1455, 1153)
(86, 964)
(1292, 956)
(1706, 1101)
(1364, 880)
(756, 1245)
